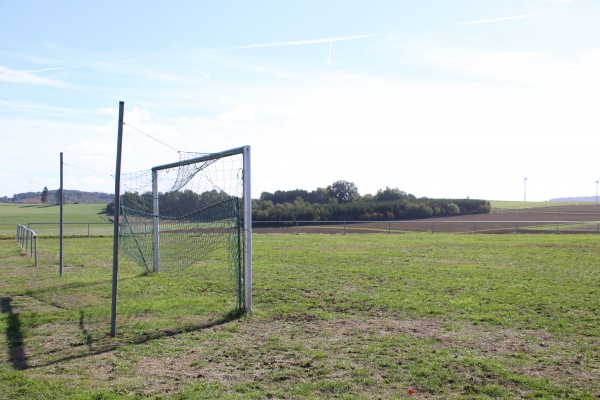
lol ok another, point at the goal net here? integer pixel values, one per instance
(175, 215)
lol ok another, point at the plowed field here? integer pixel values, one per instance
(552, 219)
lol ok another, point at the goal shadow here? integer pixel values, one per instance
(14, 335)
(107, 344)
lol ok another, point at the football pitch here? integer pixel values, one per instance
(416, 315)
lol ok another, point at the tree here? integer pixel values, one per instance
(453, 209)
(390, 194)
(59, 198)
(44, 196)
(110, 208)
(343, 191)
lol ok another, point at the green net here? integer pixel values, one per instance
(192, 208)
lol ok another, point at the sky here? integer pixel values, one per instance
(486, 99)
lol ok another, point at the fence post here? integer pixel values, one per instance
(432, 227)
(297, 228)
(27, 240)
(35, 249)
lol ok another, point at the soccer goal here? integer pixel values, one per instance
(176, 214)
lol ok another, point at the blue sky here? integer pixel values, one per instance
(439, 98)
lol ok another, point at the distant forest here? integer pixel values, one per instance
(341, 201)
(71, 197)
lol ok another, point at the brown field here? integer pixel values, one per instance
(552, 219)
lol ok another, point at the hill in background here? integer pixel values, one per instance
(71, 197)
(580, 199)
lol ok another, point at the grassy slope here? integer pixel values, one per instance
(24, 213)
(452, 316)
(13, 214)
(529, 204)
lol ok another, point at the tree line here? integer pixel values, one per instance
(52, 197)
(178, 204)
(341, 201)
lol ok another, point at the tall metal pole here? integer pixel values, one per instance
(155, 224)
(61, 200)
(113, 313)
(247, 232)
(525, 189)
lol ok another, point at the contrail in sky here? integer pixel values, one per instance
(489, 21)
(306, 41)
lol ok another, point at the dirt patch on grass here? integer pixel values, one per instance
(313, 349)
(378, 356)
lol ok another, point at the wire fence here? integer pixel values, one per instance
(96, 229)
(428, 226)
(88, 229)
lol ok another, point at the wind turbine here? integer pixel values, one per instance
(598, 181)
(525, 188)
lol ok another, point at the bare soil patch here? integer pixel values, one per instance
(552, 219)
(303, 347)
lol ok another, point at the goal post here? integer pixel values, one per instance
(247, 231)
(155, 222)
(176, 214)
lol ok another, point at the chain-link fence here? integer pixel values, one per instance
(427, 226)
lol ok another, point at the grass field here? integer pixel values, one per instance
(45, 219)
(356, 316)
(529, 204)
(84, 219)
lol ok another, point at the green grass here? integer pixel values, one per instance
(45, 219)
(530, 204)
(355, 316)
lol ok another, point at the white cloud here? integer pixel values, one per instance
(30, 108)
(27, 77)
(524, 68)
(591, 57)
(240, 113)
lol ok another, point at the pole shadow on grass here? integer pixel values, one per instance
(14, 335)
(229, 317)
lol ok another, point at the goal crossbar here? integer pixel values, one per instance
(206, 157)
